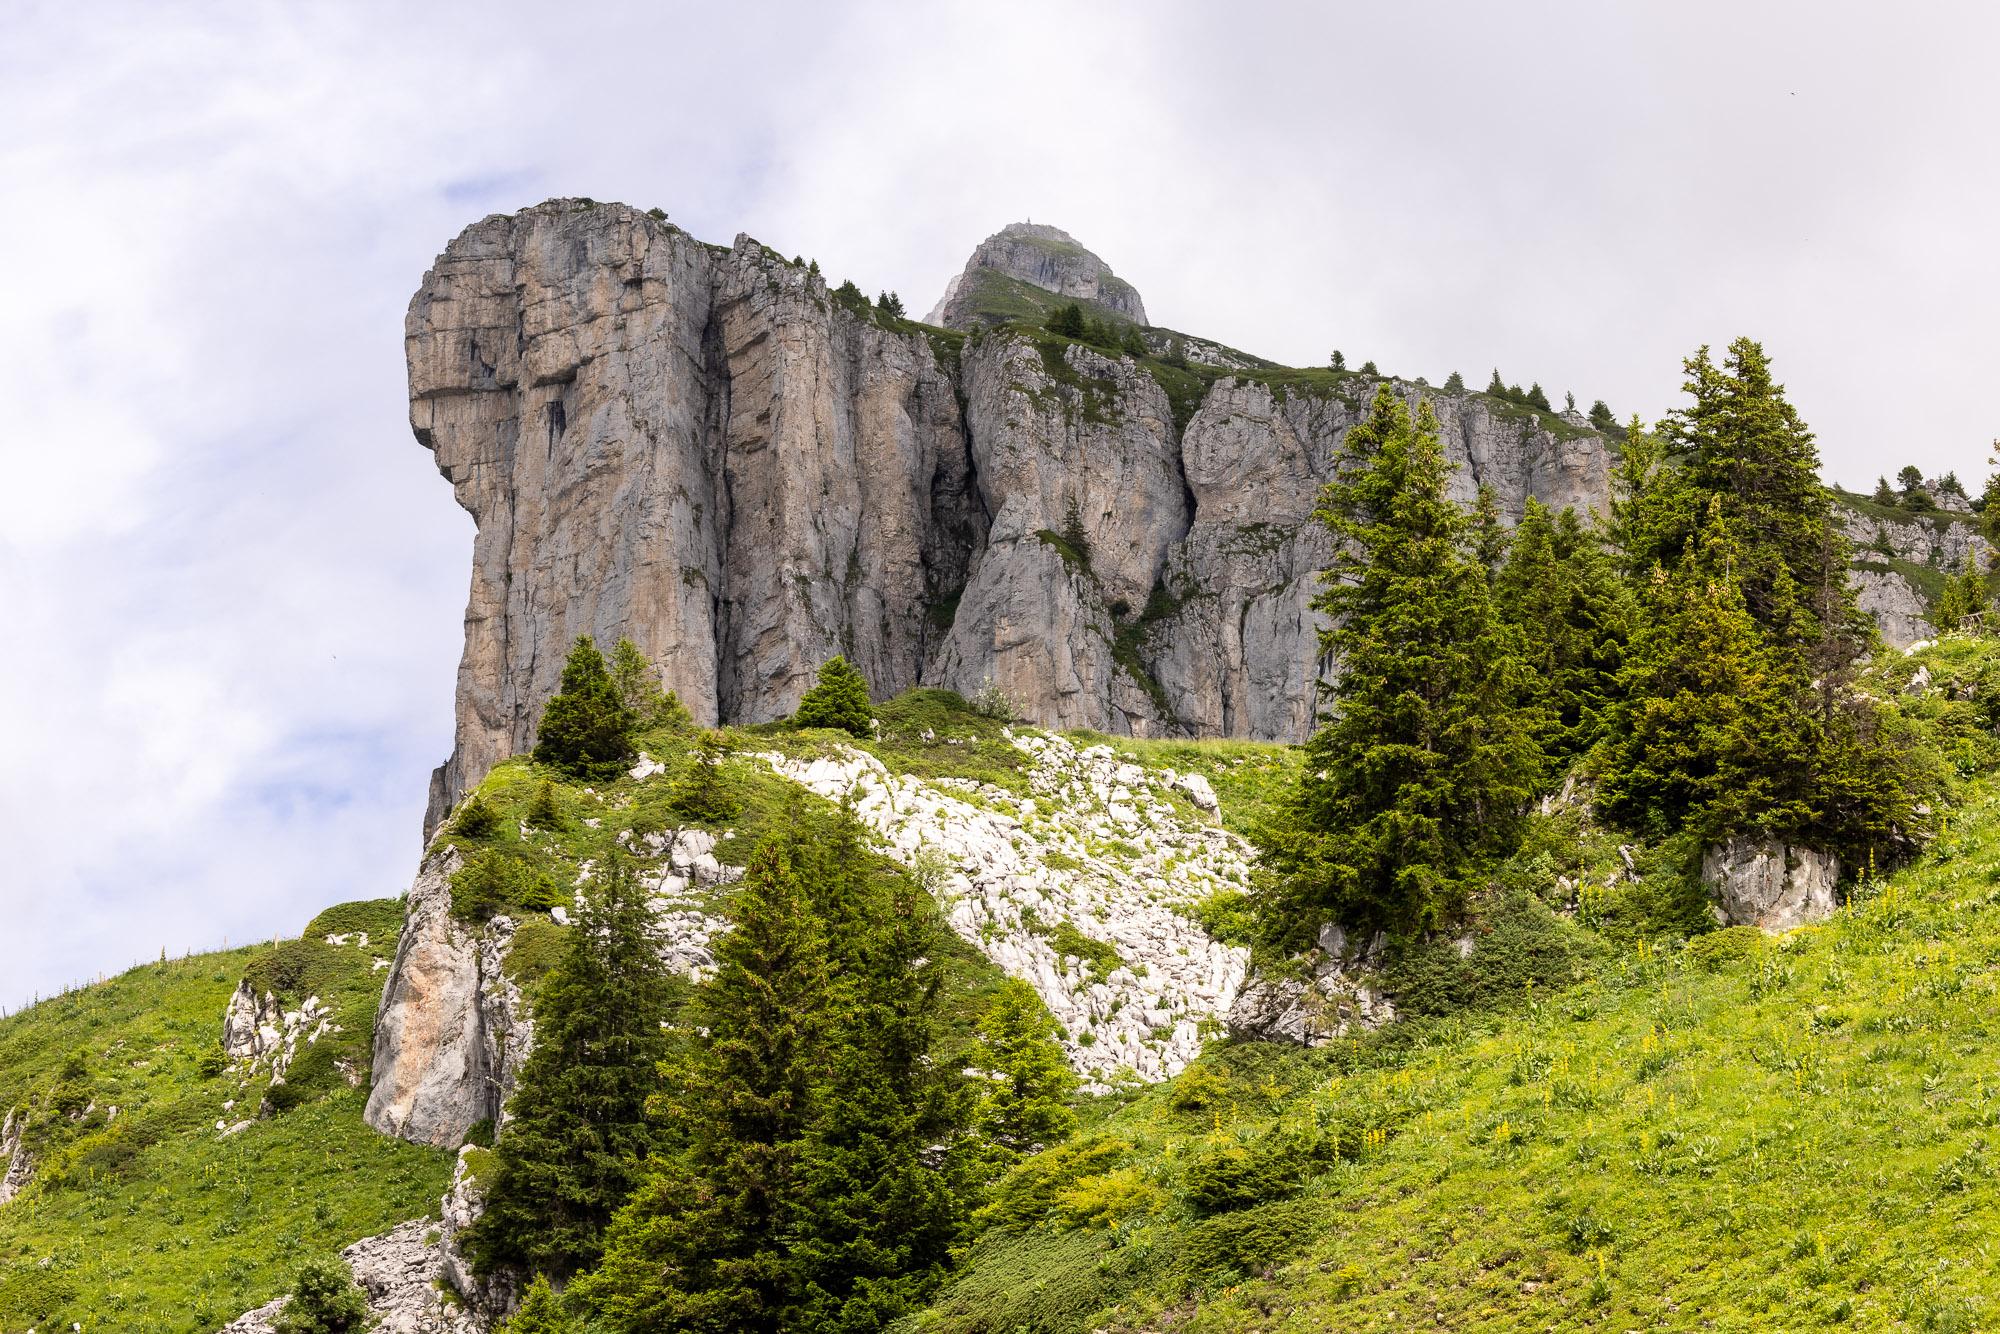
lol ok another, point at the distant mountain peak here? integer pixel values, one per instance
(1027, 268)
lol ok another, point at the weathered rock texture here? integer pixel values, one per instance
(707, 451)
(1765, 883)
(1040, 256)
(452, 1031)
(16, 1164)
(1891, 554)
(399, 1272)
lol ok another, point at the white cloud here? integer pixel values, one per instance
(233, 582)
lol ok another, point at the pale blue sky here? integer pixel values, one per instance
(233, 582)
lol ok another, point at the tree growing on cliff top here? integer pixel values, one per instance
(1067, 320)
(579, 1129)
(838, 699)
(1454, 383)
(586, 729)
(1418, 775)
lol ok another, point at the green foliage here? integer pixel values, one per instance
(704, 792)
(1909, 480)
(586, 730)
(326, 1301)
(805, 1193)
(1067, 320)
(1454, 383)
(578, 1126)
(1965, 600)
(1600, 417)
(475, 819)
(1518, 947)
(1536, 398)
(638, 688)
(1228, 1248)
(1024, 1106)
(839, 699)
(1883, 494)
(1572, 616)
(496, 880)
(540, 1312)
(545, 814)
(1490, 538)
(890, 304)
(1368, 368)
(1417, 776)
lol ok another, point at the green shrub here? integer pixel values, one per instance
(536, 947)
(475, 819)
(1031, 1192)
(380, 919)
(1233, 1246)
(311, 1075)
(324, 1302)
(292, 970)
(1109, 1199)
(1716, 950)
(496, 879)
(1241, 1176)
(839, 699)
(1519, 945)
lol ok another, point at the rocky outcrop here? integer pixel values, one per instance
(1329, 993)
(398, 1272)
(1098, 860)
(1765, 883)
(17, 1166)
(1888, 546)
(252, 1026)
(1044, 257)
(452, 1030)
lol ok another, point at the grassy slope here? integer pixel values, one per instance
(152, 1222)
(1743, 1133)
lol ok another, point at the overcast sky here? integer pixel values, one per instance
(233, 583)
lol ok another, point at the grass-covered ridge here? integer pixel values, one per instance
(150, 1219)
(1611, 1117)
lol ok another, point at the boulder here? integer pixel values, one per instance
(1766, 883)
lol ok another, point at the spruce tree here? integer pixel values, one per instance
(1368, 368)
(638, 687)
(577, 1126)
(1419, 772)
(1536, 398)
(586, 730)
(703, 792)
(1338, 361)
(1909, 480)
(325, 1301)
(838, 699)
(1454, 383)
(1489, 534)
(1133, 343)
(703, 1246)
(1570, 611)
(889, 303)
(1964, 602)
(540, 1312)
(1601, 418)
(1496, 386)
(1026, 1104)
(1883, 494)
(1067, 320)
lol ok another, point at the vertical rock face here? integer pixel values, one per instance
(451, 1033)
(1765, 883)
(16, 1166)
(704, 449)
(690, 446)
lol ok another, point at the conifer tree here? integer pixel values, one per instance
(703, 1245)
(1711, 737)
(889, 303)
(1536, 398)
(325, 1301)
(1883, 494)
(577, 1128)
(1454, 383)
(586, 729)
(1496, 386)
(1026, 1103)
(638, 687)
(1133, 343)
(703, 792)
(1570, 611)
(1964, 600)
(540, 1312)
(1338, 361)
(1489, 534)
(1601, 418)
(1067, 320)
(1420, 769)
(838, 699)
(1909, 480)
(1368, 368)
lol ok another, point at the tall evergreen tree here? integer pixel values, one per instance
(1026, 1104)
(1537, 397)
(577, 1128)
(1420, 770)
(1496, 386)
(1884, 495)
(1454, 383)
(1067, 320)
(1571, 613)
(838, 699)
(1964, 601)
(702, 1245)
(586, 730)
(1601, 418)
(1338, 361)
(1489, 535)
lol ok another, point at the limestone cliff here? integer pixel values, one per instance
(709, 451)
(1011, 270)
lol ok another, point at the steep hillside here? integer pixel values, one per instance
(153, 1196)
(1741, 1132)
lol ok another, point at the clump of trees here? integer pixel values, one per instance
(586, 729)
